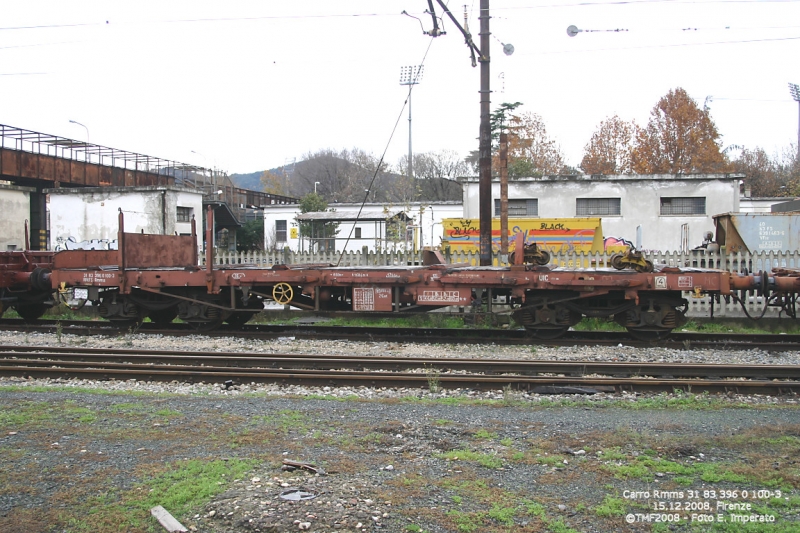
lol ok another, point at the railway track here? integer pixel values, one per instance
(677, 340)
(414, 372)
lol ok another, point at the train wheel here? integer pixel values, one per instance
(647, 267)
(30, 312)
(199, 314)
(282, 293)
(240, 318)
(652, 320)
(546, 320)
(163, 317)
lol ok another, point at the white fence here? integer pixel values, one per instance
(698, 307)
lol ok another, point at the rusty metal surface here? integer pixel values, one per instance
(163, 251)
(85, 259)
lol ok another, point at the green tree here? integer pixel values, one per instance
(679, 138)
(250, 236)
(319, 232)
(499, 119)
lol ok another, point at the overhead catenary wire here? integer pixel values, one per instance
(383, 155)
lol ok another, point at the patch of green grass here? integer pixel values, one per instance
(485, 434)
(466, 522)
(181, 488)
(26, 414)
(611, 506)
(597, 324)
(421, 320)
(503, 514)
(551, 460)
(285, 420)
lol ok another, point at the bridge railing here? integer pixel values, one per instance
(740, 262)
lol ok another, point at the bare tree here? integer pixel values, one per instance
(436, 173)
(339, 176)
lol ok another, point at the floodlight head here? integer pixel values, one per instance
(573, 30)
(795, 90)
(411, 75)
(508, 49)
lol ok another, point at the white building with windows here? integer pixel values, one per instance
(87, 218)
(15, 202)
(378, 227)
(654, 212)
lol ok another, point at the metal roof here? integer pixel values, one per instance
(342, 215)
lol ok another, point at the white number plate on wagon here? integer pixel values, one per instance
(80, 294)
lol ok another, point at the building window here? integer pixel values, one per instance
(597, 207)
(184, 214)
(280, 231)
(683, 206)
(519, 207)
(358, 233)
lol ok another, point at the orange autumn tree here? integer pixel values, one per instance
(610, 149)
(679, 138)
(531, 151)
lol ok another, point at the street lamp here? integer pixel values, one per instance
(84, 127)
(795, 90)
(410, 76)
(315, 186)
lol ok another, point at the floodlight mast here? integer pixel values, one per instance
(795, 90)
(410, 76)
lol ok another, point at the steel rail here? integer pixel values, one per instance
(195, 368)
(245, 360)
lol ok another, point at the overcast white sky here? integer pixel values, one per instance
(249, 85)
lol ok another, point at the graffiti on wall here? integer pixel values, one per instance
(556, 235)
(71, 243)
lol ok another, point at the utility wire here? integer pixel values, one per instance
(383, 155)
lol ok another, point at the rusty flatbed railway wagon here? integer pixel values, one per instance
(158, 276)
(24, 281)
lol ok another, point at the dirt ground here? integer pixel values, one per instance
(73, 461)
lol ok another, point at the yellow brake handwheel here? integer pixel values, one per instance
(282, 293)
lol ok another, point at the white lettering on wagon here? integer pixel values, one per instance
(685, 282)
(439, 296)
(238, 275)
(97, 277)
(661, 282)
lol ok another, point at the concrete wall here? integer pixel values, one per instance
(426, 217)
(758, 205)
(640, 203)
(88, 218)
(15, 205)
